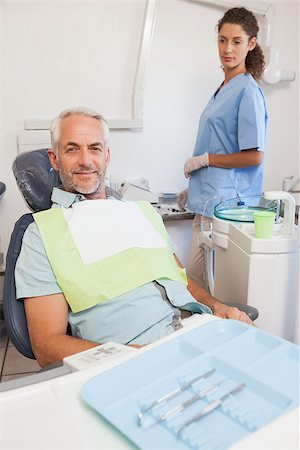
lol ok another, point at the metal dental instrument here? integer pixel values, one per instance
(178, 408)
(172, 394)
(211, 407)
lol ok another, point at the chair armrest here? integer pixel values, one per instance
(251, 312)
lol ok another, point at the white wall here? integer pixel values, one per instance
(56, 54)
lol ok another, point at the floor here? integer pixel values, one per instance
(13, 364)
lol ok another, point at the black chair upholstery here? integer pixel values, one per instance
(251, 311)
(2, 189)
(3, 331)
(35, 178)
(13, 309)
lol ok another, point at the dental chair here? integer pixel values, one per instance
(2, 322)
(36, 178)
(2, 189)
(14, 312)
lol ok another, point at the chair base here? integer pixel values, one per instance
(3, 330)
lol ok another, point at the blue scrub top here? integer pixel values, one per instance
(234, 119)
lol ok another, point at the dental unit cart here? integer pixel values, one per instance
(259, 272)
(220, 384)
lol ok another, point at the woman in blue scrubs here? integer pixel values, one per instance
(228, 156)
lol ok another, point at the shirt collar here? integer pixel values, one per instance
(64, 198)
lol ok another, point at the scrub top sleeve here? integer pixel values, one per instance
(33, 274)
(252, 120)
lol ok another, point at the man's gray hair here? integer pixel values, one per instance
(79, 111)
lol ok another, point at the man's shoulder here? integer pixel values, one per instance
(31, 233)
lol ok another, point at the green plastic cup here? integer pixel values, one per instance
(264, 224)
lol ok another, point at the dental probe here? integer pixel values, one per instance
(172, 394)
(211, 407)
(178, 408)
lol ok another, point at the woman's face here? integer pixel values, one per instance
(234, 45)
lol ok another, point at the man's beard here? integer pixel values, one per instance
(71, 185)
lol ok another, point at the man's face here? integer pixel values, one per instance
(82, 156)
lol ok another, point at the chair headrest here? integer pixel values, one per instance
(35, 178)
(2, 189)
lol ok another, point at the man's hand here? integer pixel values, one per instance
(218, 308)
(230, 312)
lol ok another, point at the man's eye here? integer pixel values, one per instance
(71, 149)
(97, 148)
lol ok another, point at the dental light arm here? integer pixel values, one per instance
(273, 73)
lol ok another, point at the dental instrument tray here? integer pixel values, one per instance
(241, 209)
(204, 389)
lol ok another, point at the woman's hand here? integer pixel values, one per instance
(182, 199)
(195, 163)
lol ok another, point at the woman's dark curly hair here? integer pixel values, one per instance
(255, 61)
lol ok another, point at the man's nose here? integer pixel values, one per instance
(84, 157)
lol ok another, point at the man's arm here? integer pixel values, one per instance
(218, 308)
(47, 320)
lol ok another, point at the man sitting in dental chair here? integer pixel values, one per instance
(104, 266)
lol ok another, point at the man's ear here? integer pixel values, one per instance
(53, 158)
(107, 156)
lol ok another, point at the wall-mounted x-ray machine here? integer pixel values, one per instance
(36, 133)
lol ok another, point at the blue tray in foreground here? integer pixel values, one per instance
(205, 389)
